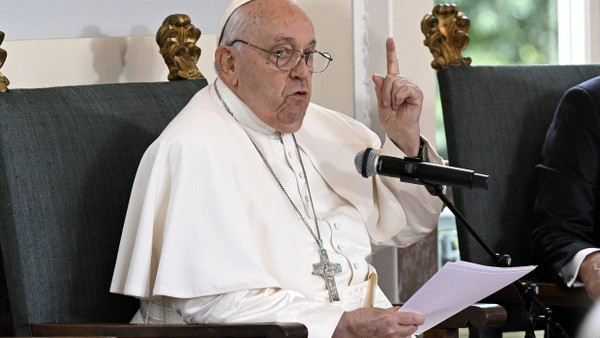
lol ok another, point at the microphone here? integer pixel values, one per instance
(369, 163)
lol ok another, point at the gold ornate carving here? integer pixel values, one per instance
(446, 36)
(3, 79)
(177, 41)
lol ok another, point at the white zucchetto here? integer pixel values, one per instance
(235, 4)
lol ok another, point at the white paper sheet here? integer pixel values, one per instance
(456, 286)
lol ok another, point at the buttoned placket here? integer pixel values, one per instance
(326, 228)
(292, 157)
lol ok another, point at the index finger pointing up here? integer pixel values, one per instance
(392, 60)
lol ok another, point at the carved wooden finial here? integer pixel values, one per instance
(446, 36)
(3, 79)
(177, 41)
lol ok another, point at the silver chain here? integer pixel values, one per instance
(317, 236)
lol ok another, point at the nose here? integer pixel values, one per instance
(301, 70)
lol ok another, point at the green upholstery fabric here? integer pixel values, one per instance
(496, 118)
(68, 157)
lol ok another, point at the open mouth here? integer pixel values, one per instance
(301, 93)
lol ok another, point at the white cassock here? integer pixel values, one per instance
(210, 237)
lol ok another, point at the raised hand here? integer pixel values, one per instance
(399, 103)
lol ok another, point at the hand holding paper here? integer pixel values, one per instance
(456, 286)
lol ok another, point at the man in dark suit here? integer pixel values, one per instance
(566, 239)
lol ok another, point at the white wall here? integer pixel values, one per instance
(578, 31)
(333, 28)
(60, 19)
(61, 62)
(374, 22)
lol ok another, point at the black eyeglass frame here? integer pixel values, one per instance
(303, 55)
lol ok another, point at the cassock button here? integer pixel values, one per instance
(356, 266)
(337, 226)
(290, 154)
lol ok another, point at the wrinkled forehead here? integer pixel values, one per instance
(274, 20)
(266, 20)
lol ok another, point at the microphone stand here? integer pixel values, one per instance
(538, 313)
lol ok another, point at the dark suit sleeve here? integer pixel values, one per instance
(567, 204)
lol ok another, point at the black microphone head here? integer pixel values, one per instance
(480, 181)
(365, 162)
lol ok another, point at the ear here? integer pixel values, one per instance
(225, 60)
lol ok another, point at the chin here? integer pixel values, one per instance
(290, 128)
(292, 120)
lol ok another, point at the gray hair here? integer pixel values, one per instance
(235, 26)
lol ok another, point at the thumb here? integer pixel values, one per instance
(378, 81)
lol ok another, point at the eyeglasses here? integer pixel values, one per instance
(288, 59)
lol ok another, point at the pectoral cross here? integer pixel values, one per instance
(327, 270)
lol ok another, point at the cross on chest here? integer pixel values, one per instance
(327, 270)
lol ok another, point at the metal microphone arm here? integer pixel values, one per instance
(538, 312)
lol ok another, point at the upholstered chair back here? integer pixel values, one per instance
(68, 156)
(496, 119)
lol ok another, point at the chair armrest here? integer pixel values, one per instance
(476, 315)
(172, 330)
(549, 294)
